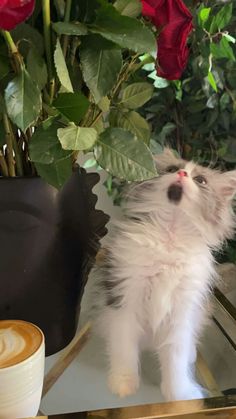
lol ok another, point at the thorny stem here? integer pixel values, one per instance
(48, 45)
(67, 10)
(66, 19)
(178, 136)
(9, 141)
(124, 76)
(13, 152)
(18, 62)
(88, 113)
(96, 119)
(50, 111)
(19, 164)
(75, 43)
(3, 164)
(46, 96)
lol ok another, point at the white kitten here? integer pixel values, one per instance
(158, 272)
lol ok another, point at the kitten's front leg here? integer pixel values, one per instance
(176, 355)
(122, 339)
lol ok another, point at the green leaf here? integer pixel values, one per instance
(230, 152)
(37, 68)
(76, 138)
(167, 129)
(101, 63)
(229, 37)
(155, 147)
(46, 123)
(222, 49)
(86, 10)
(123, 30)
(224, 16)
(131, 8)
(120, 153)
(99, 126)
(104, 104)
(159, 82)
(23, 100)
(4, 67)
(224, 101)
(64, 28)
(204, 15)
(147, 62)
(72, 105)
(212, 101)
(136, 94)
(57, 173)
(88, 164)
(45, 147)
(26, 36)
(133, 122)
(212, 81)
(60, 7)
(61, 68)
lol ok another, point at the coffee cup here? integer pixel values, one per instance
(22, 354)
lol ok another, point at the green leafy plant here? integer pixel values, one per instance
(196, 115)
(66, 92)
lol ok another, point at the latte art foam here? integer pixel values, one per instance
(11, 344)
(18, 341)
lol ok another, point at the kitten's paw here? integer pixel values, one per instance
(183, 392)
(123, 384)
(194, 392)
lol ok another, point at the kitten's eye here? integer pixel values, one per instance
(200, 179)
(172, 169)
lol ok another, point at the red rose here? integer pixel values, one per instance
(174, 21)
(13, 12)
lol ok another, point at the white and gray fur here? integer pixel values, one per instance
(155, 280)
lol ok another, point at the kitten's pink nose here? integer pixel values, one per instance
(182, 173)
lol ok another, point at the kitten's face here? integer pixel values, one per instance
(202, 195)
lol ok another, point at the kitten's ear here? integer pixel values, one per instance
(228, 184)
(165, 159)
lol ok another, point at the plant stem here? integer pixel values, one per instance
(67, 10)
(14, 51)
(3, 164)
(10, 157)
(10, 42)
(66, 19)
(75, 43)
(125, 74)
(18, 159)
(96, 119)
(48, 45)
(148, 60)
(50, 111)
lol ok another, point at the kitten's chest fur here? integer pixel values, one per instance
(163, 267)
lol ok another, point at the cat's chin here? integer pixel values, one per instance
(175, 192)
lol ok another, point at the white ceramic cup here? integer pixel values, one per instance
(21, 385)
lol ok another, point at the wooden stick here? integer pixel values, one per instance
(207, 377)
(66, 358)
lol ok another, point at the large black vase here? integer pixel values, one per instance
(48, 241)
